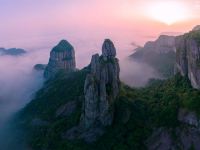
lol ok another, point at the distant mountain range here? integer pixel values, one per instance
(159, 54)
(12, 51)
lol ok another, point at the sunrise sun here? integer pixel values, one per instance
(168, 12)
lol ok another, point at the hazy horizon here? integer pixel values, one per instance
(40, 25)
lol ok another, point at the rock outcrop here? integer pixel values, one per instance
(188, 56)
(62, 57)
(101, 87)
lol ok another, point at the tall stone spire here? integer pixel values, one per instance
(101, 87)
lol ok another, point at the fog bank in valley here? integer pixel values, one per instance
(136, 74)
(18, 83)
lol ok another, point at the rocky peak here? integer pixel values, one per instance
(101, 88)
(108, 49)
(63, 46)
(62, 57)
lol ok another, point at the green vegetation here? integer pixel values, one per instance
(54, 94)
(137, 112)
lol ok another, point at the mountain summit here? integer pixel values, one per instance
(62, 57)
(63, 46)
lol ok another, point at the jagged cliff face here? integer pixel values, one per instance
(62, 57)
(101, 88)
(188, 56)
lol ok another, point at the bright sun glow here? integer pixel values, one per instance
(168, 12)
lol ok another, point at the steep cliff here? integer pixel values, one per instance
(188, 56)
(101, 87)
(62, 57)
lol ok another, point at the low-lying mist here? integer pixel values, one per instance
(18, 83)
(136, 74)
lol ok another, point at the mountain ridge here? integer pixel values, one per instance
(158, 54)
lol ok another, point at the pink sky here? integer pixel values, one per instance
(85, 23)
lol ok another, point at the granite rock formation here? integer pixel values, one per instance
(188, 56)
(101, 87)
(62, 57)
